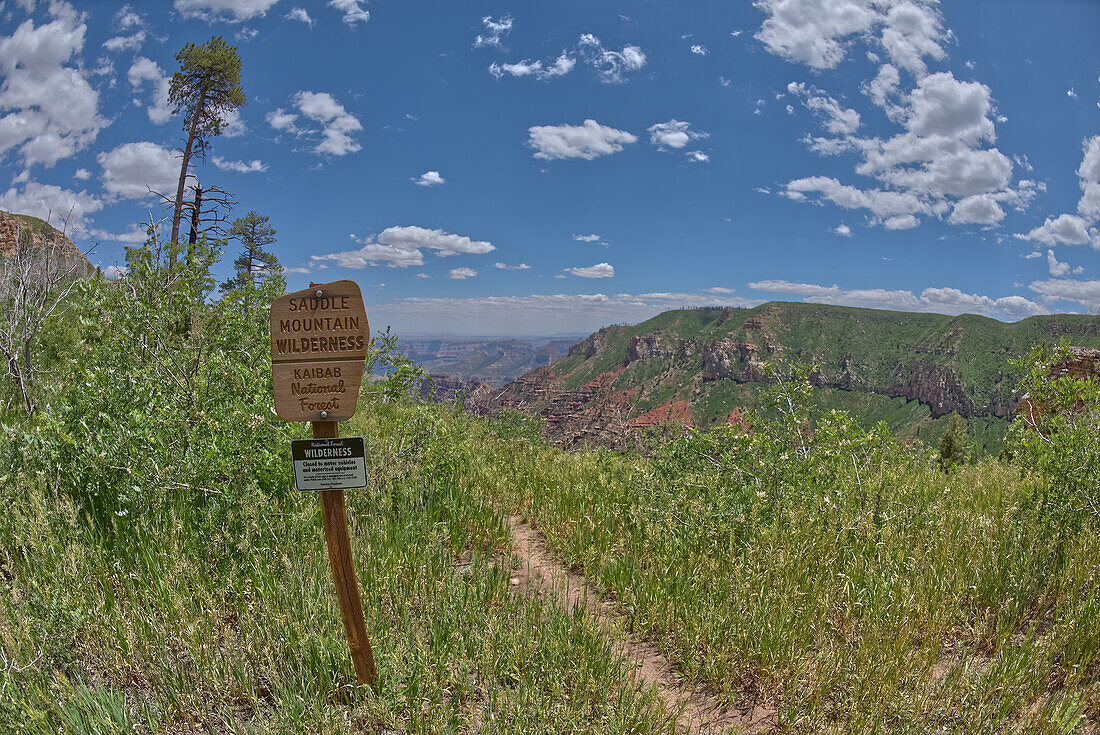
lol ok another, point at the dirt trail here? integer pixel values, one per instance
(698, 710)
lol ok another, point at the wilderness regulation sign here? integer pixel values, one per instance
(329, 464)
(319, 339)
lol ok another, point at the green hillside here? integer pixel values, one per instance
(910, 370)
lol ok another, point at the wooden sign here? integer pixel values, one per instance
(319, 339)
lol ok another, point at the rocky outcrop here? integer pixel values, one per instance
(42, 235)
(936, 385)
(740, 361)
(590, 345)
(646, 346)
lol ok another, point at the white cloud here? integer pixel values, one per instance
(241, 167)
(82, 174)
(900, 222)
(843, 230)
(1059, 269)
(1086, 293)
(699, 49)
(936, 300)
(980, 209)
(428, 178)
(611, 66)
(132, 42)
(813, 32)
(136, 170)
(282, 120)
(232, 11)
(673, 134)
(495, 31)
(64, 209)
(590, 238)
(838, 120)
(115, 271)
(127, 19)
(146, 70)
(400, 247)
(232, 124)
(353, 11)
(461, 274)
(52, 110)
(1066, 229)
(301, 15)
(882, 204)
(506, 267)
(600, 270)
(338, 126)
(1071, 93)
(588, 141)
(697, 156)
(561, 66)
(1089, 174)
(818, 32)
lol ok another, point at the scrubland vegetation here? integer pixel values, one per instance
(160, 574)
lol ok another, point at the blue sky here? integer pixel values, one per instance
(537, 168)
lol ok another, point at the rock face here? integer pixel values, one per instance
(936, 385)
(42, 234)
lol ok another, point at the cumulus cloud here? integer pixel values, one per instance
(1065, 229)
(673, 134)
(699, 49)
(1059, 269)
(337, 126)
(980, 209)
(300, 15)
(137, 170)
(588, 141)
(231, 11)
(1086, 293)
(843, 230)
(428, 178)
(495, 30)
(400, 247)
(146, 70)
(353, 11)
(697, 156)
(611, 66)
(50, 111)
(241, 167)
(600, 270)
(936, 300)
(64, 209)
(461, 274)
(506, 267)
(818, 33)
(115, 271)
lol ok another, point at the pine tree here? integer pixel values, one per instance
(955, 443)
(255, 234)
(205, 89)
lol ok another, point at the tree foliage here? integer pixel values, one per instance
(955, 446)
(205, 90)
(1057, 436)
(255, 234)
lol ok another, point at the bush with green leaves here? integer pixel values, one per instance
(1059, 438)
(166, 398)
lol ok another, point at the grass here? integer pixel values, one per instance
(875, 595)
(157, 626)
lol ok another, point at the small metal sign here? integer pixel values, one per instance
(329, 464)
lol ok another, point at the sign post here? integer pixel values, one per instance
(319, 340)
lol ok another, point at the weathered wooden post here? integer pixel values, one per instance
(319, 340)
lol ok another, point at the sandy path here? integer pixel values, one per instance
(698, 710)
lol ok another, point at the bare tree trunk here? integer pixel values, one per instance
(177, 212)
